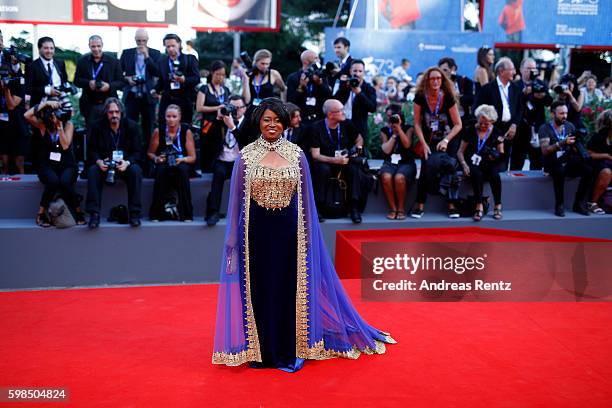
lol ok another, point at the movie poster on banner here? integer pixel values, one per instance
(36, 11)
(568, 22)
(130, 11)
(408, 14)
(383, 50)
(244, 15)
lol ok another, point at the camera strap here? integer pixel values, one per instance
(220, 96)
(330, 136)
(257, 87)
(560, 137)
(116, 139)
(96, 72)
(176, 146)
(481, 143)
(54, 137)
(435, 112)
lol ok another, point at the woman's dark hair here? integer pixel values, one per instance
(215, 66)
(276, 106)
(481, 59)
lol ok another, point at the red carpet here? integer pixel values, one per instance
(151, 347)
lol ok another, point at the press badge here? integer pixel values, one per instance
(434, 125)
(175, 85)
(395, 158)
(117, 155)
(559, 153)
(4, 116)
(256, 102)
(338, 153)
(55, 156)
(311, 101)
(476, 159)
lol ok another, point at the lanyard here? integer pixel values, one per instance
(437, 104)
(309, 90)
(329, 133)
(221, 96)
(481, 143)
(95, 73)
(54, 138)
(560, 137)
(171, 65)
(177, 146)
(258, 87)
(116, 138)
(140, 69)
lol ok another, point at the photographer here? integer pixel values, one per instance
(10, 58)
(13, 134)
(342, 48)
(178, 77)
(308, 88)
(46, 75)
(357, 96)
(57, 167)
(535, 101)
(114, 148)
(263, 79)
(568, 94)
(436, 123)
(139, 66)
(334, 142)
(483, 145)
(565, 155)
(600, 149)
(100, 77)
(398, 168)
(464, 87)
(172, 149)
(225, 149)
(211, 100)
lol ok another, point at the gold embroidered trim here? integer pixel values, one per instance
(301, 298)
(274, 188)
(233, 359)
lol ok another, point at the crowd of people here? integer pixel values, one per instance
(139, 111)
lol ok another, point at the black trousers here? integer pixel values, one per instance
(429, 167)
(221, 171)
(350, 174)
(58, 181)
(522, 148)
(482, 173)
(573, 168)
(504, 163)
(140, 108)
(133, 178)
(167, 180)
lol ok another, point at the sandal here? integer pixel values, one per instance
(43, 220)
(401, 215)
(595, 209)
(478, 215)
(497, 214)
(392, 215)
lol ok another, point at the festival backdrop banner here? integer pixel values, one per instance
(383, 50)
(566, 22)
(243, 15)
(141, 12)
(36, 11)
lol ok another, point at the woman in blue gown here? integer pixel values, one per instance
(280, 300)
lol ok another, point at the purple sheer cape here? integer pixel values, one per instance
(327, 324)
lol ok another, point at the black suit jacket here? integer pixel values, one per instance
(466, 90)
(109, 73)
(189, 67)
(320, 92)
(128, 66)
(101, 145)
(37, 78)
(490, 94)
(363, 103)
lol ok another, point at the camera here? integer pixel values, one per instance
(228, 110)
(539, 86)
(353, 82)
(560, 88)
(63, 113)
(171, 156)
(453, 77)
(139, 79)
(247, 62)
(13, 52)
(580, 135)
(98, 84)
(395, 119)
(5, 76)
(533, 74)
(175, 72)
(67, 88)
(314, 69)
(110, 174)
(490, 153)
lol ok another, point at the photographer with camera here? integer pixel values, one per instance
(399, 167)
(535, 101)
(336, 149)
(308, 89)
(464, 87)
(263, 79)
(172, 149)
(178, 78)
(568, 93)
(600, 149)
(13, 133)
(115, 149)
(139, 66)
(57, 168)
(357, 96)
(46, 76)
(11, 58)
(211, 100)
(342, 48)
(224, 149)
(483, 145)
(100, 77)
(565, 155)
(436, 123)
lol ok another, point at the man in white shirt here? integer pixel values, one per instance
(46, 74)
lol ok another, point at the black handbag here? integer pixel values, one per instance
(335, 204)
